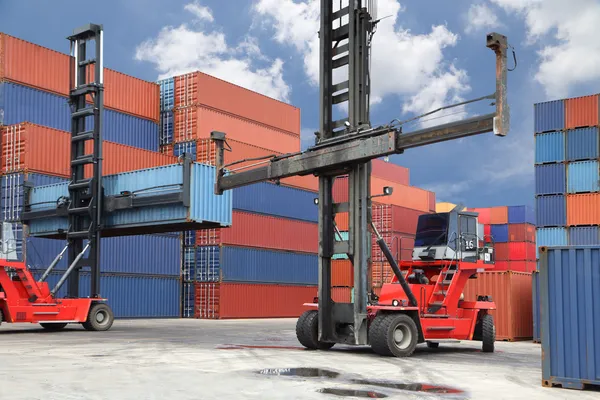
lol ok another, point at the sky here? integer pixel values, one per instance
(426, 53)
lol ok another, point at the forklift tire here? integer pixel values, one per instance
(307, 331)
(396, 335)
(53, 326)
(488, 333)
(100, 318)
(433, 345)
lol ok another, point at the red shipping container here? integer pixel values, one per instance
(340, 294)
(342, 273)
(512, 293)
(522, 266)
(432, 201)
(33, 148)
(485, 215)
(499, 215)
(521, 233)
(391, 218)
(166, 149)
(501, 265)
(401, 246)
(381, 273)
(581, 112)
(502, 251)
(197, 122)
(206, 153)
(242, 300)
(197, 88)
(263, 231)
(42, 68)
(390, 171)
(521, 251)
(487, 230)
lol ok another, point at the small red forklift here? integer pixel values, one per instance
(424, 302)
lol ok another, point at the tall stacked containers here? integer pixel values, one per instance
(35, 119)
(567, 173)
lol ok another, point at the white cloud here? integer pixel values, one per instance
(404, 63)
(201, 12)
(479, 17)
(574, 57)
(182, 49)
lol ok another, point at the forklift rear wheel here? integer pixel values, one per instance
(395, 335)
(53, 326)
(307, 331)
(100, 318)
(433, 345)
(488, 333)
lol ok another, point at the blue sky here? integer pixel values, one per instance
(428, 53)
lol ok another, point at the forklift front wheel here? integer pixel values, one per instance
(488, 333)
(394, 335)
(307, 331)
(100, 318)
(53, 326)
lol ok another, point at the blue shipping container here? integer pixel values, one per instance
(535, 282)
(582, 144)
(24, 104)
(11, 241)
(189, 263)
(584, 236)
(131, 296)
(239, 264)
(205, 206)
(11, 194)
(167, 94)
(499, 233)
(189, 238)
(550, 179)
(185, 147)
(166, 128)
(549, 147)
(521, 215)
(551, 211)
(187, 300)
(271, 199)
(583, 177)
(140, 254)
(570, 316)
(549, 116)
(550, 237)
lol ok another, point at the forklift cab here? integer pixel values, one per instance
(453, 235)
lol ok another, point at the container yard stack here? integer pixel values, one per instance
(512, 230)
(35, 138)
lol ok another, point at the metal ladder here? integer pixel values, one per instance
(85, 206)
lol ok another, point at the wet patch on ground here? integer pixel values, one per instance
(248, 346)
(352, 393)
(300, 372)
(412, 387)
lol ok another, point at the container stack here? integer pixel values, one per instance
(567, 172)
(35, 140)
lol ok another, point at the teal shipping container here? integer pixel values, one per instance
(206, 210)
(570, 316)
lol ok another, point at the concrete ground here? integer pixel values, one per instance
(251, 359)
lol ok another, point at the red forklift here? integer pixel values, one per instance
(424, 302)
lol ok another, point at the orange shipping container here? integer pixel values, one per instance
(390, 171)
(197, 122)
(403, 196)
(511, 291)
(32, 65)
(581, 111)
(342, 273)
(341, 220)
(206, 153)
(34, 148)
(485, 215)
(197, 88)
(583, 209)
(498, 215)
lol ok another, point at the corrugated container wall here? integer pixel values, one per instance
(549, 147)
(131, 296)
(569, 298)
(239, 264)
(240, 300)
(499, 215)
(167, 94)
(199, 88)
(390, 171)
(500, 233)
(12, 241)
(485, 215)
(550, 179)
(521, 215)
(551, 237)
(582, 144)
(581, 111)
(12, 194)
(535, 289)
(551, 211)
(165, 128)
(583, 209)
(584, 236)
(290, 202)
(23, 104)
(46, 69)
(511, 292)
(521, 233)
(583, 177)
(549, 116)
